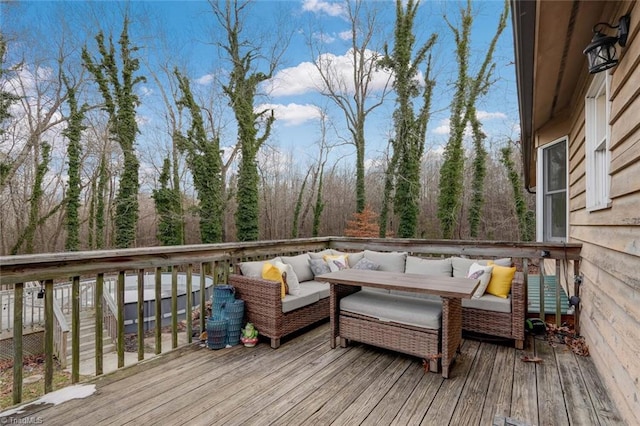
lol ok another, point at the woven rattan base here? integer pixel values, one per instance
(416, 341)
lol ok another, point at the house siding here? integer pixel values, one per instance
(610, 293)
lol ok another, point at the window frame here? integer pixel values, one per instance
(543, 225)
(597, 143)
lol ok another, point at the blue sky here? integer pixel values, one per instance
(184, 34)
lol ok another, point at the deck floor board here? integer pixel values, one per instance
(305, 382)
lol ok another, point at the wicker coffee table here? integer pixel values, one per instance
(451, 290)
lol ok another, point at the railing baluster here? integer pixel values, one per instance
(576, 291)
(75, 329)
(541, 291)
(120, 314)
(558, 286)
(140, 314)
(158, 328)
(18, 291)
(99, 292)
(48, 336)
(189, 296)
(174, 306)
(203, 288)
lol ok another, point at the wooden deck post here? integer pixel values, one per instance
(18, 293)
(120, 314)
(48, 336)
(75, 329)
(140, 314)
(189, 312)
(99, 323)
(174, 307)
(158, 320)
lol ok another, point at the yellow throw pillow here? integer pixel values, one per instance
(272, 273)
(501, 277)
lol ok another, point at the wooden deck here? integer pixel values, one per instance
(307, 382)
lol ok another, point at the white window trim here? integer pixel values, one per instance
(540, 189)
(601, 81)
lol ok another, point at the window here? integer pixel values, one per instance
(597, 111)
(552, 199)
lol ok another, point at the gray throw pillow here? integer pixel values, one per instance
(367, 264)
(319, 267)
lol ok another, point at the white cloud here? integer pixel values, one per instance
(145, 91)
(292, 114)
(324, 7)
(345, 35)
(443, 127)
(205, 79)
(297, 80)
(324, 38)
(485, 115)
(305, 78)
(445, 124)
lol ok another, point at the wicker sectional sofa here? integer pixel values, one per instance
(276, 317)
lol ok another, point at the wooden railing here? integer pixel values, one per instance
(60, 333)
(215, 260)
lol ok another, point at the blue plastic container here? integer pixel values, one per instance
(235, 315)
(222, 295)
(216, 333)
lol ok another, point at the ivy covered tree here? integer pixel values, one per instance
(241, 91)
(410, 128)
(319, 206)
(526, 218)
(463, 111)
(203, 159)
(120, 101)
(27, 236)
(169, 209)
(73, 133)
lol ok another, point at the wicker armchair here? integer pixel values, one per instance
(509, 325)
(263, 307)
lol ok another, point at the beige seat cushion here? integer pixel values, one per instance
(489, 302)
(396, 308)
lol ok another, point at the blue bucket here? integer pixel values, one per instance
(216, 333)
(235, 315)
(222, 295)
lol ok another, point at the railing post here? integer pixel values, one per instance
(174, 306)
(48, 336)
(18, 291)
(99, 292)
(75, 329)
(120, 315)
(140, 314)
(158, 310)
(189, 313)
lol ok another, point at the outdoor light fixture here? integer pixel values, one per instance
(601, 52)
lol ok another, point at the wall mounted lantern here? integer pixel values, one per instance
(601, 52)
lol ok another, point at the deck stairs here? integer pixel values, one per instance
(87, 337)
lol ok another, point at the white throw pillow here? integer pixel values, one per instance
(337, 263)
(483, 273)
(292, 279)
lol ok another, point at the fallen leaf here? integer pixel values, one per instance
(535, 359)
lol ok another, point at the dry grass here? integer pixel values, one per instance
(33, 380)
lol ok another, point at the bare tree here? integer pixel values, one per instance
(357, 97)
